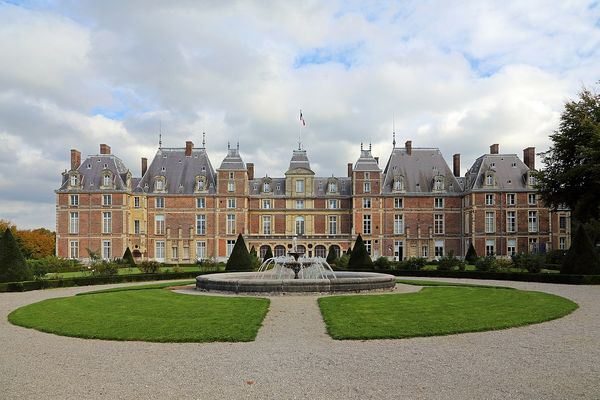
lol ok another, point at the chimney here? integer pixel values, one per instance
(377, 160)
(456, 164)
(250, 168)
(144, 165)
(494, 148)
(349, 170)
(104, 149)
(408, 146)
(529, 157)
(188, 148)
(75, 159)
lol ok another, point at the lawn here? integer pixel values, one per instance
(121, 271)
(151, 314)
(417, 282)
(438, 311)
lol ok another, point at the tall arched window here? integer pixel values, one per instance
(279, 250)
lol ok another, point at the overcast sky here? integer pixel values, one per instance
(456, 75)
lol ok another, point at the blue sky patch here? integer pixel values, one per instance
(322, 55)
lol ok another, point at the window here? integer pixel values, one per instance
(266, 221)
(106, 180)
(106, 222)
(159, 251)
(425, 251)
(333, 204)
(299, 204)
(532, 221)
(266, 204)
(511, 247)
(74, 200)
(299, 186)
(320, 251)
(398, 224)
(489, 199)
(174, 252)
(136, 202)
(332, 188)
(489, 222)
(562, 243)
(368, 246)
(533, 245)
(511, 199)
(74, 180)
(186, 252)
(562, 222)
(230, 244)
(489, 180)
(230, 224)
(279, 251)
(231, 203)
(367, 224)
(532, 180)
(159, 184)
(74, 222)
(299, 225)
(136, 227)
(438, 184)
(159, 224)
(231, 186)
(367, 187)
(160, 202)
(201, 250)
(74, 249)
(398, 184)
(107, 199)
(490, 247)
(367, 202)
(266, 187)
(106, 249)
(332, 225)
(439, 248)
(532, 199)
(200, 224)
(438, 202)
(511, 221)
(200, 202)
(438, 224)
(200, 184)
(398, 203)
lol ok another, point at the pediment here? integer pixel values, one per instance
(299, 171)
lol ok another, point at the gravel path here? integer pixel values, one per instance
(293, 358)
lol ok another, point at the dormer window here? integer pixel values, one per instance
(74, 180)
(398, 184)
(266, 185)
(160, 183)
(107, 180)
(489, 179)
(438, 183)
(332, 185)
(200, 183)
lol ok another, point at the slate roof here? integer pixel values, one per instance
(180, 171)
(91, 172)
(299, 160)
(277, 186)
(509, 171)
(418, 170)
(233, 160)
(366, 162)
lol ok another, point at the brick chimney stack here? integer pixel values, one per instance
(349, 170)
(250, 167)
(408, 146)
(144, 165)
(456, 164)
(104, 149)
(529, 157)
(494, 148)
(188, 148)
(75, 159)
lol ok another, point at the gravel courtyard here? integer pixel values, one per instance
(293, 358)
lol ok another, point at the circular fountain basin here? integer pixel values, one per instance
(252, 282)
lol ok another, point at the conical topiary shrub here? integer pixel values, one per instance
(128, 258)
(331, 256)
(360, 258)
(581, 257)
(268, 254)
(471, 256)
(13, 267)
(239, 260)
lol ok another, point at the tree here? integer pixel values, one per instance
(571, 175)
(359, 258)
(268, 254)
(36, 243)
(13, 267)
(331, 255)
(128, 258)
(471, 256)
(581, 258)
(239, 260)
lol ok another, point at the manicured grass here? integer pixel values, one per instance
(438, 311)
(121, 271)
(417, 282)
(152, 315)
(161, 285)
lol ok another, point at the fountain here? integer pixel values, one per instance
(295, 274)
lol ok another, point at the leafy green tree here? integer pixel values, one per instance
(239, 260)
(471, 256)
(581, 258)
(268, 254)
(13, 267)
(128, 258)
(360, 258)
(331, 256)
(571, 169)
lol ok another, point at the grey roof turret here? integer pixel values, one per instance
(299, 160)
(233, 160)
(366, 161)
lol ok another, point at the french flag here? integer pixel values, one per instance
(302, 119)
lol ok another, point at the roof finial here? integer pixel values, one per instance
(160, 140)
(228, 146)
(361, 146)
(394, 130)
(203, 139)
(369, 146)
(238, 146)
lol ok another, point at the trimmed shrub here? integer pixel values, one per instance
(555, 257)
(503, 264)
(331, 255)
(471, 255)
(268, 254)
(239, 260)
(530, 262)
(253, 251)
(128, 258)
(255, 261)
(360, 259)
(149, 267)
(342, 262)
(349, 251)
(486, 264)
(53, 264)
(105, 268)
(13, 267)
(450, 262)
(413, 263)
(382, 263)
(581, 258)
(210, 265)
